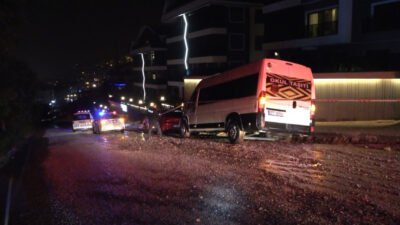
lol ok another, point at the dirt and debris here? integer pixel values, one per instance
(133, 179)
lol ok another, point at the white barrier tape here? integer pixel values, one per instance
(357, 100)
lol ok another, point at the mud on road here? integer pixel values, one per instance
(283, 182)
(113, 178)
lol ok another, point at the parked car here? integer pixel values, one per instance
(170, 121)
(108, 121)
(82, 120)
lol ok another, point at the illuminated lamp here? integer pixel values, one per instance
(143, 75)
(185, 31)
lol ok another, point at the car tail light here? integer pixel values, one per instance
(262, 101)
(171, 120)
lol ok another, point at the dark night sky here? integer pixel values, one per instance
(57, 34)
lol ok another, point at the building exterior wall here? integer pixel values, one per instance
(357, 89)
(221, 35)
(365, 38)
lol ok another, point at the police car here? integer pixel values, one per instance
(108, 121)
(82, 120)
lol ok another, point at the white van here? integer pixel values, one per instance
(267, 95)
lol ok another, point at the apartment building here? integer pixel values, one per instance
(206, 37)
(334, 35)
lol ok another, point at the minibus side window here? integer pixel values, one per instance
(238, 88)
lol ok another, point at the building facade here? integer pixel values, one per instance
(334, 35)
(352, 46)
(206, 37)
(148, 52)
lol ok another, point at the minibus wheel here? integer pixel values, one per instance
(184, 131)
(235, 134)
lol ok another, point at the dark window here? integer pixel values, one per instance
(322, 22)
(259, 19)
(258, 42)
(386, 16)
(236, 41)
(242, 87)
(236, 15)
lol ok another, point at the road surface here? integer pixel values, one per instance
(81, 178)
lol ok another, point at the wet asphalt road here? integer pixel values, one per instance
(81, 178)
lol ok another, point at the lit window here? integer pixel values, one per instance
(154, 76)
(322, 22)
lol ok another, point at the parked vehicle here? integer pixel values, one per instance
(267, 95)
(170, 121)
(108, 121)
(82, 120)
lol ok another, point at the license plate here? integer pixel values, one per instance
(275, 113)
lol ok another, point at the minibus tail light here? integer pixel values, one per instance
(313, 108)
(262, 101)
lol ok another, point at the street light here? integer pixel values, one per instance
(140, 102)
(101, 106)
(131, 100)
(110, 96)
(94, 85)
(162, 98)
(123, 98)
(152, 104)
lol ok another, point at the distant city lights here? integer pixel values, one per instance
(124, 107)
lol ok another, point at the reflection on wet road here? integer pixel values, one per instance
(116, 178)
